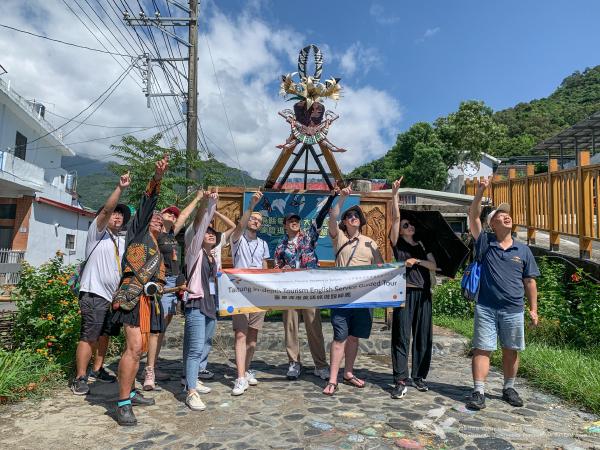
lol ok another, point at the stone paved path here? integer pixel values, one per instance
(282, 414)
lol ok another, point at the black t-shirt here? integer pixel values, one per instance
(168, 248)
(207, 304)
(416, 275)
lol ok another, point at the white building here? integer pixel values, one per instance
(457, 174)
(39, 212)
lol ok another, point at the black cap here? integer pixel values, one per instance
(291, 216)
(361, 217)
(123, 209)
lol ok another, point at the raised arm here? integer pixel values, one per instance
(335, 211)
(201, 222)
(395, 228)
(475, 209)
(148, 202)
(243, 222)
(228, 223)
(187, 211)
(111, 202)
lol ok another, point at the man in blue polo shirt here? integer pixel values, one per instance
(508, 272)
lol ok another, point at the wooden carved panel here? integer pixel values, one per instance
(230, 204)
(377, 226)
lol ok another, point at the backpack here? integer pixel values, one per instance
(469, 284)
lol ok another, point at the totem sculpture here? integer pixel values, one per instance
(309, 121)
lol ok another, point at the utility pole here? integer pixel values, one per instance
(191, 96)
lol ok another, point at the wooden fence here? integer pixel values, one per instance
(559, 202)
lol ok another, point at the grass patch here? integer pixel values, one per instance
(25, 374)
(570, 373)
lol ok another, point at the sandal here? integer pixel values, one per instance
(335, 388)
(354, 382)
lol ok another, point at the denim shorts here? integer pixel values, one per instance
(493, 324)
(355, 322)
(169, 301)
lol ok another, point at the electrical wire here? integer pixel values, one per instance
(64, 42)
(97, 125)
(225, 111)
(118, 80)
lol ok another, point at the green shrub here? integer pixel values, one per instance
(448, 301)
(48, 318)
(568, 306)
(23, 372)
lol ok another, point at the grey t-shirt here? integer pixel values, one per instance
(102, 271)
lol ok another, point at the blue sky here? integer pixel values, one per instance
(433, 54)
(400, 62)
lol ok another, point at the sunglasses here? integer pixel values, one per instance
(352, 215)
(405, 225)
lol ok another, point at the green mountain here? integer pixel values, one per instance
(95, 181)
(518, 129)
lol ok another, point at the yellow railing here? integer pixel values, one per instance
(560, 202)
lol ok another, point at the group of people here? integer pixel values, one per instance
(133, 280)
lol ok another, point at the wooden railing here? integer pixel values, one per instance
(560, 202)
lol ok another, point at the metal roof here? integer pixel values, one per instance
(582, 135)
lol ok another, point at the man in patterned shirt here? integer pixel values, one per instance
(297, 251)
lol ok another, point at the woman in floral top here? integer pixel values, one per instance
(297, 251)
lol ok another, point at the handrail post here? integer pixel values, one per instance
(584, 210)
(553, 198)
(512, 174)
(529, 201)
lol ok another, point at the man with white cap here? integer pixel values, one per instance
(508, 272)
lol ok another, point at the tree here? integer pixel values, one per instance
(427, 170)
(468, 132)
(138, 158)
(403, 152)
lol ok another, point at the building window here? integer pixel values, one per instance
(70, 242)
(409, 199)
(8, 211)
(20, 146)
(6, 237)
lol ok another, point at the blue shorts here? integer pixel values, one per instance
(355, 322)
(169, 301)
(492, 324)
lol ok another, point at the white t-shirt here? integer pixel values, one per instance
(216, 252)
(249, 253)
(102, 272)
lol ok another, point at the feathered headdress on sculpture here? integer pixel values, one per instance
(309, 88)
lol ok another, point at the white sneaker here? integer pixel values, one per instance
(251, 378)
(194, 402)
(322, 373)
(202, 388)
(294, 370)
(241, 384)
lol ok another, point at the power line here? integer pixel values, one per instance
(97, 125)
(106, 137)
(116, 82)
(225, 111)
(64, 42)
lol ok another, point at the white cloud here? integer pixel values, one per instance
(249, 56)
(429, 33)
(382, 16)
(359, 58)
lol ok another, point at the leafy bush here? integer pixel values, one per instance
(448, 301)
(22, 372)
(568, 306)
(48, 318)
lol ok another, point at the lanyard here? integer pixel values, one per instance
(252, 252)
(116, 249)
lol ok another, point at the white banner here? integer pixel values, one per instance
(248, 290)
